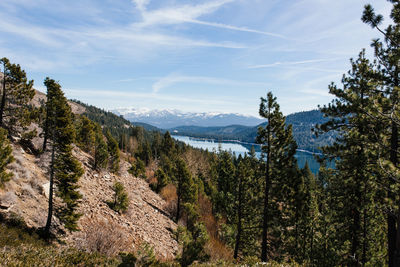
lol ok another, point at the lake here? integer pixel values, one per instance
(240, 148)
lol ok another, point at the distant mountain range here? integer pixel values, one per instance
(166, 119)
(230, 126)
(302, 122)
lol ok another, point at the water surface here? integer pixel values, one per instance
(240, 148)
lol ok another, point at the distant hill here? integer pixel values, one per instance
(173, 118)
(302, 123)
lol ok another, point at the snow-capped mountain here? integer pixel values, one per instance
(166, 119)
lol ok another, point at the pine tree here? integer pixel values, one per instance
(16, 93)
(100, 149)
(162, 179)
(279, 147)
(85, 134)
(168, 144)
(65, 170)
(121, 201)
(248, 198)
(354, 188)
(226, 186)
(186, 189)
(113, 152)
(387, 112)
(5, 157)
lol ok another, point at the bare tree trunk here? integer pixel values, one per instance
(50, 210)
(178, 205)
(391, 219)
(3, 97)
(239, 222)
(264, 245)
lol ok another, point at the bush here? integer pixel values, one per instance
(104, 237)
(120, 202)
(138, 169)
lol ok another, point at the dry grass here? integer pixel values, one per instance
(215, 247)
(168, 193)
(28, 191)
(104, 237)
(8, 198)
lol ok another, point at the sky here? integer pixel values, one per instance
(190, 55)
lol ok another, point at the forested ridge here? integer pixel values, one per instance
(228, 210)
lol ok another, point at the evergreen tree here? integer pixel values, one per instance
(354, 189)
(65, 170)
(193, 243)
(100, 149)
(162, 179)
(85, 134)
(113, 152)
(279, 147)
(386, 113)
(16, 93)
(168, 144)
(247, 209)
(121, 201)
(5, 157)
(186, 189)
(226, 186)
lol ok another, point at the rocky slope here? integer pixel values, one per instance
(102, 229)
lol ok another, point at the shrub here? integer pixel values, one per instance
(138, 169)
(104, 237)
(120, 202)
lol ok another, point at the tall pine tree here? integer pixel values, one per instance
(65, 170)
(16, 93)
(279, 148)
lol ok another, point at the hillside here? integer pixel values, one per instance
(102, 229)
(302, 122)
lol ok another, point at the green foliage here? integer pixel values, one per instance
(145, 256)
(113, 152)
(65, 167)
(5, 158)
(100, 149)
(138, 169)
(16, 92)
(162, 179)
(120, 202)
(193, 243)
(226, 186)
(85, 134)
(186, 189)
(277, 143)
(248, 203)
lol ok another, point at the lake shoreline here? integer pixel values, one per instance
(239, 142)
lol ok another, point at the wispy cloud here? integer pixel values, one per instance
(149, 96)
(291, 63)
(190, 14)
(174, 78)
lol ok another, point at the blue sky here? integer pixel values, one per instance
(191, 55)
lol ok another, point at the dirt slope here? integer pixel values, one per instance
(102, 229)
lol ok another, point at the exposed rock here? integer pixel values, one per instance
(146, 220)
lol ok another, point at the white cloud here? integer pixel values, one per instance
(190, 14)
(141, 4)
(172, 79)
(150, 96)
(290, 63)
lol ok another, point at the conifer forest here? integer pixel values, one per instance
(222, 208)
